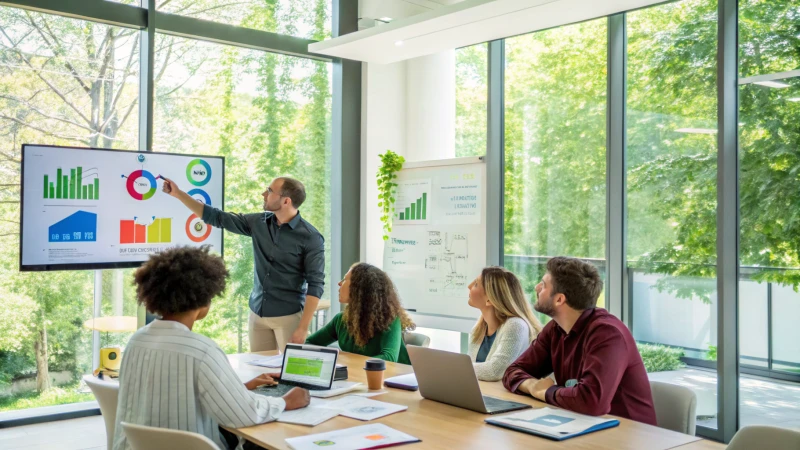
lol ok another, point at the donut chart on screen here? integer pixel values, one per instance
(135, 175)
(198, 168)
(201, 193)
(196, 229)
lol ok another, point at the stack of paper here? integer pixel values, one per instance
(273, 362)
(555, 424)
(362, 408)
(338, 388)
(375, 435)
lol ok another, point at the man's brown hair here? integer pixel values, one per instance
(579, 281)
(293, 189)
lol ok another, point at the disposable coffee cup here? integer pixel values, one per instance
(375, 369)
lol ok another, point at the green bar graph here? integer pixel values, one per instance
(71, 186)
(418, 209)
(78, 181)
(58, 183)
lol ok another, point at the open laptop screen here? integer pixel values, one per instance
(314, 367)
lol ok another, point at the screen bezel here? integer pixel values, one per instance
(311, 348)
(94, 265)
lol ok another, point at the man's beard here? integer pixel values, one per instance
(545, 307)
(273, 209)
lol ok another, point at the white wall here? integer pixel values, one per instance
(410, 108)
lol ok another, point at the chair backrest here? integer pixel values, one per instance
(675, 407)
(141, 437)
(106, 393)
(765, 437)
(418, 339)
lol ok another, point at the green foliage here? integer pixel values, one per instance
(711, 355)
(61, 395)
(660, 358)
(391, 163)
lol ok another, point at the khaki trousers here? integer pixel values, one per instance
(271, 333)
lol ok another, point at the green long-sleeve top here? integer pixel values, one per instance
(387, 345)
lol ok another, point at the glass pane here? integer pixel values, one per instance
(63, 82)
(268, 115)
(555, 155)
(302, 18)
(671, 194)
(769, 113)
(472, 89)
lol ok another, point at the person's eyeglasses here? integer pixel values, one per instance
(270, 191)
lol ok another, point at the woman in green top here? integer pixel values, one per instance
(373, 322)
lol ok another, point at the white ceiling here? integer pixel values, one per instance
(429, 26)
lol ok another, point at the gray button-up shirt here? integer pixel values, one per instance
(289, 259)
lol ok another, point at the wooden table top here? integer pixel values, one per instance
(439, 425)
(702, 444)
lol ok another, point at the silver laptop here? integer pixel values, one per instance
(305, 366)
(449, 377)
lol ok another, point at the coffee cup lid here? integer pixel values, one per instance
(375, 364)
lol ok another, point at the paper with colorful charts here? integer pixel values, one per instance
(90, 208)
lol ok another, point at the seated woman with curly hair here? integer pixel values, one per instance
(174, 378)
(373, 323)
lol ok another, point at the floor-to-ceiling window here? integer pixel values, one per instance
(66, 81)
(62, 82)
(671, 175)
(472, 90)
(555, 148)
(269, 116)
(769, 196)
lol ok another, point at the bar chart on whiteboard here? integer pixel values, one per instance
(438, 241)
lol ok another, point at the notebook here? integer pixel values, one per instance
(376, 435)
(407, 382)
(556, 424)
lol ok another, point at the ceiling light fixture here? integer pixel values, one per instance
(696, 130)
(385, 19)
(772, 84)
(399, 43)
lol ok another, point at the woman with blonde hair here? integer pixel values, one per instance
(374, 321)
(507, 325)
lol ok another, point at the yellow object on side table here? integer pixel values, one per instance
(110, 357)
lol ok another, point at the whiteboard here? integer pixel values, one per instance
(438, 241)
(95, 209)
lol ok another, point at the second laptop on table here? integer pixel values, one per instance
(449, 378)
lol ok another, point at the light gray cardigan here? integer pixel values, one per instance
(512, 339)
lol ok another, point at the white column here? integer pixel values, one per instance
(431, 107)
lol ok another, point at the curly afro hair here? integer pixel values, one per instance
(374, 304)
(180, 279)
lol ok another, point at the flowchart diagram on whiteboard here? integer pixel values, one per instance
(438, 240)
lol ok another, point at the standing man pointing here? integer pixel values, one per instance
(289, 271)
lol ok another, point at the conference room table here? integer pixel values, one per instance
(439, 425)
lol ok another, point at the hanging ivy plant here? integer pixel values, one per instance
(391, 163)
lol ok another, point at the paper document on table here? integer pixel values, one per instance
(555, 424)
(337, 388)
(362, 408)
(376, 435)
(310, 415)
(273, 362)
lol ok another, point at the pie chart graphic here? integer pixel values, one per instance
(133, 181)
(198, 172)
(199, 192)
(196, 229)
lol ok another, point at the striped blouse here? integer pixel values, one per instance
(174, 378)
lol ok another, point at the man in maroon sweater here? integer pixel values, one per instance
(597, 368)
